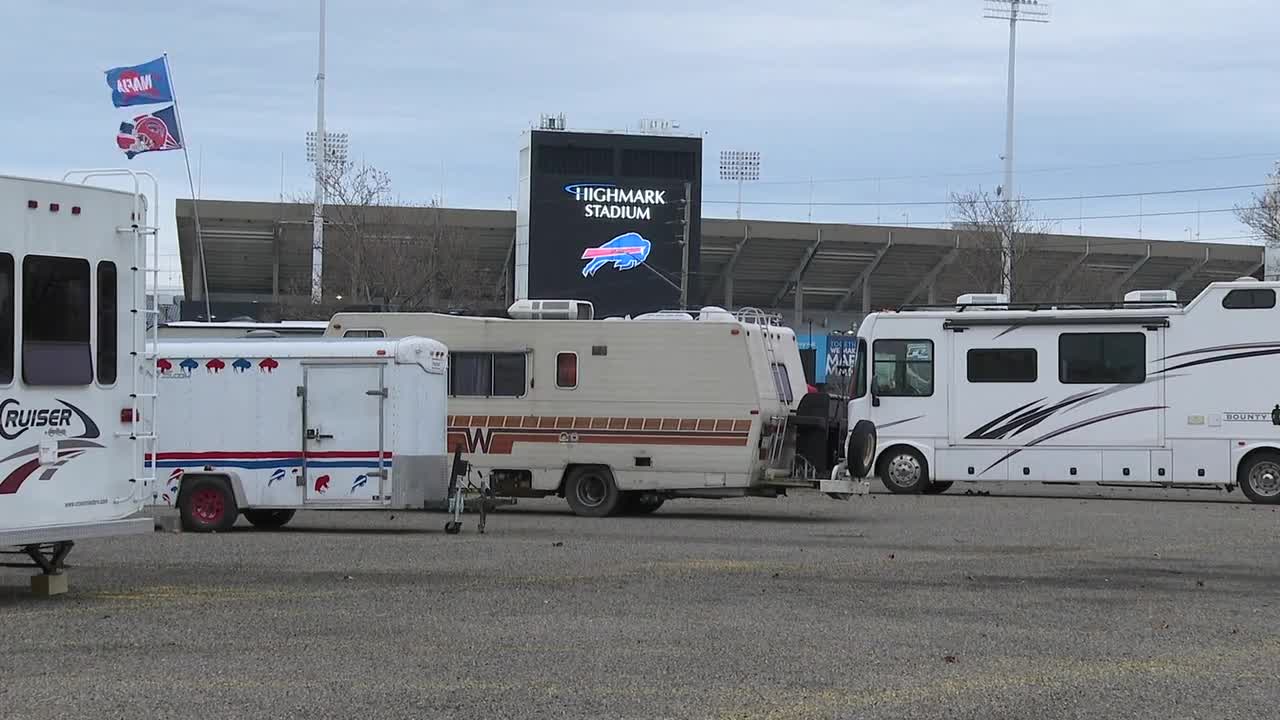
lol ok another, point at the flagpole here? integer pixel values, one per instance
(195, 210)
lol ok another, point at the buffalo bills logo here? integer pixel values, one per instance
(163, 365)
(215, 365)
(188, 364)
(359, 482)
(268, 365)
(175, 478)
(241, 365)
(149, 133)
(275, 477)
(322, 484)
(625, 252)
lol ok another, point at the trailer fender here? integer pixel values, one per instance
(230, 476)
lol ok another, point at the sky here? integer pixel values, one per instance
(899, 103)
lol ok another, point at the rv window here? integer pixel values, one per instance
(471, 374)
(782, 383)
(860, 370)
(903, 368)
(107, 323)
(1002, 366)
(509, 378)
(1263, 299)
(55, 321)
(363, 334)
(567, 370)
(8, 326)
(1102, 358)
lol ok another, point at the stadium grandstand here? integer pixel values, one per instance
(257, 255)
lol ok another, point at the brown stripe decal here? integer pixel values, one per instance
(497, 435)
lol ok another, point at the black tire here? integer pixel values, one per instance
(937, 488)
(641, 503)
(861, 450)
(904, 471)
(591, 492)
(1259, 478)
(269, 519)
(207, 504)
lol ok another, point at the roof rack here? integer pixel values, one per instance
(1038, 306)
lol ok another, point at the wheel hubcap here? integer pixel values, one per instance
(1265, 479)
(207, 506)
(591, 490)
(904, 471)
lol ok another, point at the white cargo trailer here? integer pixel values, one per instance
(267, 427)
(619, 415)
(73, 282)
(1147, 391)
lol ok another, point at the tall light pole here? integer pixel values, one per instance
(739, 166)
(1014, 11)
(317, 148)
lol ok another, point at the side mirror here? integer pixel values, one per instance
(875, 397)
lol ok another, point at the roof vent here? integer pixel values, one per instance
(1247, 278)
(983, 299)
(1151, 296)
(665, 315)
(552, 310)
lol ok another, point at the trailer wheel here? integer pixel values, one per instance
(1259, 477)
(861, 451)
(207, 505)
(269, 519)
(903, 470)
(591, 492)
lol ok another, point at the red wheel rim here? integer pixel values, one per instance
(207, 506)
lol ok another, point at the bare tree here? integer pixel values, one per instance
(1262, 215)
(385, 253)
(983, 221)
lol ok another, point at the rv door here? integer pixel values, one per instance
(343, 424)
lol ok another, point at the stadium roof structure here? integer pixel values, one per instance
(261, 252)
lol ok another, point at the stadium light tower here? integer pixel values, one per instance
(1015, 11)
(740, 166)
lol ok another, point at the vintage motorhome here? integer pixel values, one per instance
(618, 415)
(1148, 391)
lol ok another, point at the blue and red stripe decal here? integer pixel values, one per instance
(267, 460)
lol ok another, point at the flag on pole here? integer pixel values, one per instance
(151, 132)
(143, 84)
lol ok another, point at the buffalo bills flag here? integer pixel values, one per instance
(151, 132)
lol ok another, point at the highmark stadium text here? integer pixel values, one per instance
(615, 203)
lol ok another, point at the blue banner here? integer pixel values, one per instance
(143, 84)
(152, 132)
(842, 355)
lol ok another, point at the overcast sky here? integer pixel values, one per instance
(1114, 96)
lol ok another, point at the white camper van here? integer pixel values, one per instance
(267, 427)
(618, 415)
(73, 278)
(1147, 391)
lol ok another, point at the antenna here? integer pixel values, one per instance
(1015, 11)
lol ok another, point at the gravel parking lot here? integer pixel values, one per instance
(1052, 603)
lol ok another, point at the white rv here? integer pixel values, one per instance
(618, 415)
(267, 427)
(1147, 391)
(73, 278)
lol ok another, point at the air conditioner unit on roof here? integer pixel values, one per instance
(1151, 296)
(983, 299)
(551, 310)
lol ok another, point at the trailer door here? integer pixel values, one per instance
(343, 424)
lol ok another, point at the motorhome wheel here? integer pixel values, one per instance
(1260, 478)
(591, 492)
(904, 471)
